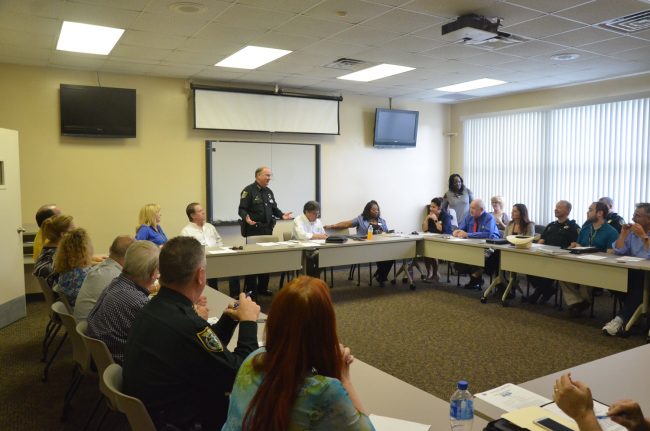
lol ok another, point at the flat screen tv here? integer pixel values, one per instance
(395, 128)
(97, 111)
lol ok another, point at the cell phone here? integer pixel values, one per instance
(551, 425)
(236, 304)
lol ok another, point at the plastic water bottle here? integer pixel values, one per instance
(461, 408)
(370, 231)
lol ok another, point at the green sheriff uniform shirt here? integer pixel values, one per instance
(179, 365)
(259, 204)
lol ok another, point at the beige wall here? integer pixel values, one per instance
(104, 182)
(578, 94)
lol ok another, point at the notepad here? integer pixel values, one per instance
(383, 423)
(629, 259)
(220, 251)
(591, 257)
(267, 244)
(511, 397)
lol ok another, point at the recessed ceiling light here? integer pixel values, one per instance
(471, 85)
(252, 57)
(187, 8)
(376, 72)
(565, 57)
(87, 38)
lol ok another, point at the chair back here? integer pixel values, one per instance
(135, 411)
(80, 354)
(63, 298)
(286, 236)
(261, 238)
(100, 355)
(50, 296)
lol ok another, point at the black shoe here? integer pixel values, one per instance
(266, 293)
(474, 283)
(546, 295)
(576, 310)
(532, 299)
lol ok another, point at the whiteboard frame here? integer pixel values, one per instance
(209, 187)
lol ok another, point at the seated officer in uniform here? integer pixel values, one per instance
(175, 361)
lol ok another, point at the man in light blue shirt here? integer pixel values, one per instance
(633, 241)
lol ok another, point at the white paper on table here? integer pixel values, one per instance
(383, 423)
(629, 259)
(600, 409)
(310, 244)
(453, 238)
(510, 397)
(591, 257)
(267, 244)
(318, 241)
(220, 251)
(287, 243)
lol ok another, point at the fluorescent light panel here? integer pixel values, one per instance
(376, 72)
(87, 38)
(252, 57)
(471, 85)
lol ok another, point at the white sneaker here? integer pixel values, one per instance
(614, 327)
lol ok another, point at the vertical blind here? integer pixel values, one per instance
(579, 154)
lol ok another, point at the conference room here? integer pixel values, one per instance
(557, 63)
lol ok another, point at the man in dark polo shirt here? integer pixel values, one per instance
(174, 361)
(258, 211)
(560, 233)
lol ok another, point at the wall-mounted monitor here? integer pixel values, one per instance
(395, 128)
(97, 111)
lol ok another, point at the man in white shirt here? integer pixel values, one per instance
(197, 228)
(101, 276)
(308, 225)
(207, 235)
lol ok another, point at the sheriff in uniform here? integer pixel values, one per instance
(258, 211)
(177, 363)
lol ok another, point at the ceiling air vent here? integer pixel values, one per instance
(346, 64)
(628, 24)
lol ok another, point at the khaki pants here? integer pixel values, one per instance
(575, 293)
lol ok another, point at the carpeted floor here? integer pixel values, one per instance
(430, 337)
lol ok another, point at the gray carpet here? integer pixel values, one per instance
(430, 337)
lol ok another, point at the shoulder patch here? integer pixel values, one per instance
(244, 194)
(209, 340)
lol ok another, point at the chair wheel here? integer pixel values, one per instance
(412, 287)
(483, 299)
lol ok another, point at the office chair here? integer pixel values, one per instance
(135, 411)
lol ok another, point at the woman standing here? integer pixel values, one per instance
(149, 225)
(301, 378)
(371, 216)
(72, 261)
(458, 197)
(437, 220)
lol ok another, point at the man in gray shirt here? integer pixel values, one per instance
(101, 276)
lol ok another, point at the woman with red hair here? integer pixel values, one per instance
(301, 379)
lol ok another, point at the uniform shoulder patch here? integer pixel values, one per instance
(209, 340)
(244, 194)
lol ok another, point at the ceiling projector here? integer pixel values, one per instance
(471, 29)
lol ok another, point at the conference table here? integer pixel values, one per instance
(381, 393)
(623, 375)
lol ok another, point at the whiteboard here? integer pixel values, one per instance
(231, 165)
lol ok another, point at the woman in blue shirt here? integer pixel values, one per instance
(301, 379)
(72, 260)
(371, 216)
(149, 225)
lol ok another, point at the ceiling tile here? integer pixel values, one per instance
(642, 34)
(179, 71)
(262, 77)
(100, 14)
(542, 27)
(211, 8)
(489, 59)
(40, 8)
(253, 18)
(27, 40)
(548, 6)
(402, 21)
(602, 10)
(17, 51)
(334, 49)
(152, 40)
(314, 27)
(138, 52)
(287, 68)
(275, 39)
(581, 36)
(192, 58)
(136, 5)
(362, 35)
(82, 61)
(113, 65)
(584, 55)
(206, 45)
(180, 25)
(356, 11)
(453, 51)
(530, 49)
(294, 81)
(223, 34)
(413, 44)
(38, 25)
(613, 46)
(640, 54)
(297, 6)
(218, 73)
(433, 32)
(448, 9)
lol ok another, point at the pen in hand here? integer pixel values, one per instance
(236, 304)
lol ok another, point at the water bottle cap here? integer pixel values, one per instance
(462, 385)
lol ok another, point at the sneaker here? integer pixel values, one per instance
(614, 327)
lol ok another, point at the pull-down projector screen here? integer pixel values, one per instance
(225, 110)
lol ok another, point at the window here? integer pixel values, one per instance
(579, 154)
